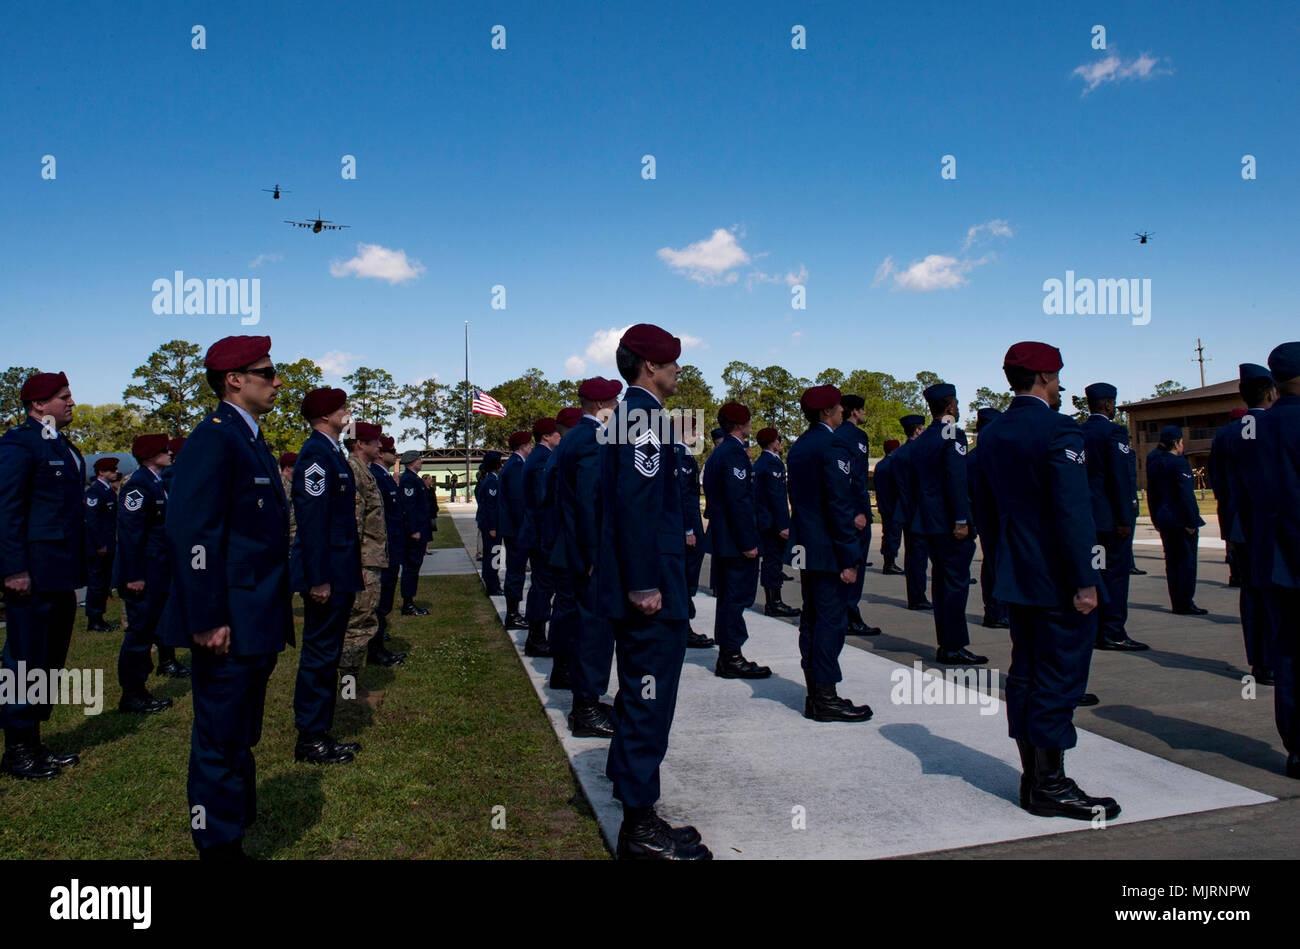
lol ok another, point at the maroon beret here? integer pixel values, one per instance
(321, 402)
(175, 445)
(1037, 357)
(891, 444)
(568, 417)
(652, 342)
(1238, 413)
(598, 389)
(543, 426)
(820, 397)
(288, 459)
(42, 386)
(733, 412)
(520, 438)
(367, 432)
(386, 443)
(767, 435)
(236, 352)
(144, 447)
(106, 464)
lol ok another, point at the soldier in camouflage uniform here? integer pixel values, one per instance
(364, 621)
(287, 461)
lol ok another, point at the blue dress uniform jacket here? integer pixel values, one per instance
(326, 547)
(101, 517)
(688, 477)
(141, 538)
(859, 448)
(511, 511)
(1174, 505)
(936, 480)
(531, 529)
(729, 488)
(486, 496)
(1112, 493)
(820, 471)
(393, 524)
(1218, 469)
(537, 528)
(577, 499)
(771, 502)
(42, 511)
(414, 498)
(886, 489)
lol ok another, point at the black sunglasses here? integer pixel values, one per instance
(266, 372)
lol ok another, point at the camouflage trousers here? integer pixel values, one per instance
(364, 621)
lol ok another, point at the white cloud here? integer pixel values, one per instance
(883, 271)
(575, 366)
(264, 259)
(940, 271)
(380, 263)
(1113, 68)
(336, 362)
(996, 228)
(710, 261)
(604, 343)
(801, 277)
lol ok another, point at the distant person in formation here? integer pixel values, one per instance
(415, 530)
(101, 544)
(733, 537)
(640, 576)
(937, 495)
(434, 510)
(287, 460)
(142, 576)
(382, 469)
(455, 486)
(716, 436)
(688, 478)
(1216, 470)
(361, 642)
(772, 504)
(174, 445)
(859, 446)
(891, 534)
(325, 567)
(42, 562)
(1234, 447)
(824, 548)
(564, 604)
(915, 555)
(232, 606)
(487, 496)
(1171, 497)
(579, 508)
(1268, 479)
(995, 612)
(1114, 511)
(510, 521)
(537, 610)
(1033, 495)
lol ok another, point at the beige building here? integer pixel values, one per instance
(1201, 412)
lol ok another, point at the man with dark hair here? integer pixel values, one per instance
(688, 477)
(733, 536)
(641, 578)
(228, 536)
(510, 520)
(1033, 476)
(325, 567)
(915, 554)
(772, 504)
(891, 533)
(1171, 497)
(995, 612)
(395, 529)
(532, 536)
(859, 448)
(1114, 511)
(824, 548)
(940, 514)
(42, 562)
(416, 533)
(101, 544)
(1258, 625)
(487, 496)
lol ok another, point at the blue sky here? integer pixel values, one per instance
(522, 168)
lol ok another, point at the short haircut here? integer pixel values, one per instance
(770, 441)
(1020, 379)
(909, 430)
(217, 381)
(1095, 404)
(938, 407)
(1253, 391)
(812, 415)
(729, 427)
(629, 364)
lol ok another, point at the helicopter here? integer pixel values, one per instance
(318, 225)
(1141, 236)
(276, 192)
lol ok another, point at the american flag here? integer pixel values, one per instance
(484, 404)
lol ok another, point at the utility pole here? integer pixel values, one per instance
(1200, 358)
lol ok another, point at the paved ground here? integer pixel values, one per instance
(946, 784)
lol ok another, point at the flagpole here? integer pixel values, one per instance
(468, 399)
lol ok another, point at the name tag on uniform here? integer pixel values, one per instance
(261, 481)
(55, 462)
(343, 476)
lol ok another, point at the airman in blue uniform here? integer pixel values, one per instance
(1227, 458)
(733, 538)
(325, 567)
(487, 496)
(565, 620)
(395, 527)
(227, 533)
(142, 576)
(1171, 496)
(915, 555)
(510, 521)
(640, 576)
(1033, 499)
(1114, 511)
(772, 505)
(891, 534)
(824, 548)
(535, 531)
(995, 611)
(688, 478)
(42, 561)
(101, 544)
(416, 529)
(859, 448)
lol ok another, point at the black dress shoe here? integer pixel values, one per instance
(561, 678)
(592, 721)
(686, 834)
(823, 705)
(1261, 675)
(777, 608)
(24, 762)
(1192, 610)
(1055, 795)
(652, 839)
(321, 752)
(891, 569)
(379, 656)
(537, 648)
(1121, 645)
(958, 657)
(696, 640)
(56, 760)
(860, 627)
(99, 626)
(971, 581)
(1136, 571)
(1088, 700)
(353, 746)
(733, 665)
(923, 605)
(994, 622)
(143, 704)
(514, 621)
(173, 670)
(410, 609)
(1293, 765)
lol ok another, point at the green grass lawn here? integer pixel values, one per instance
(445, 738)
(445, 535)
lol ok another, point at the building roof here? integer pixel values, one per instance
(1216, 391)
